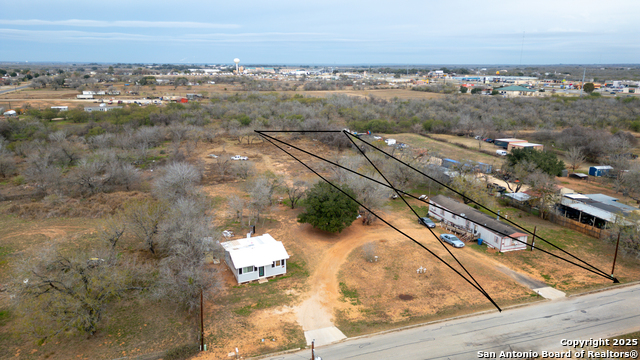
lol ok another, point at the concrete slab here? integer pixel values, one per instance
(550, 293)
(324, 336)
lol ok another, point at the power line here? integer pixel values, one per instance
(600, 272)
(386, 222)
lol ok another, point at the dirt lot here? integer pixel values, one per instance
(43, 98)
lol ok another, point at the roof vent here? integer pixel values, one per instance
(462, 215)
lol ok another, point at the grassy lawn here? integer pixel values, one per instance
(448, 150)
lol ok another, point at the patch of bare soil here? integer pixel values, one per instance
(382, 286)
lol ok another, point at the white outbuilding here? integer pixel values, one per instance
(255, 258)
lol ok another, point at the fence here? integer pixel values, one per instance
(580, 227)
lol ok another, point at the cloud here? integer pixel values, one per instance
(74, 35)
(136, 24)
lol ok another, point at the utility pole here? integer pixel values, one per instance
(201, 322)
(615, 255)
(533, 240)
(313, 351)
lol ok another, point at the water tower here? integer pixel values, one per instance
(236, 60)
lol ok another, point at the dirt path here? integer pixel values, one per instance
(317, 310)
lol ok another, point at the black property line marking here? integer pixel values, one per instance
(441, 208)
(415, 213)
(484, 207)
(386, 222)
(297, 131)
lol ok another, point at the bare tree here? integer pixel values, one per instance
(237, 206)
(370, 194)
(473, 188)
(112, 229)
(183, 238)
(261, 194)
(122, 174)
(575, 157)
(58, 293)
(295, 190)
(7, 164)
(41, 171)
(631, 185)
(88, 177)
(178, 180)
(544, 187)
(144, 220)
(243, 169)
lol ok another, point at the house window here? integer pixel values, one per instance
(453, 216)
(278, 262)
(245, 270)
(442, 211)
(497, 239)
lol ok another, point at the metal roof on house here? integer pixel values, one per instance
(255, 251)
(527, 144)
(474, 215)
(603, 167)
(575, 196)
(609, 200)
(515, 88)
(589, 209)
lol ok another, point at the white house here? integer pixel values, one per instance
(494, 233)
(60, 108)
(254, 258)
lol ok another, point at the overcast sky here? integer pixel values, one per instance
(322, 32)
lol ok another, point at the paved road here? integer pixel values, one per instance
(14, 89)
(538, 327)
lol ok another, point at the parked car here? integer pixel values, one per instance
(452, 239)
(238, 157)
(489, 140)
(501, 152)
(499, 188)
(426, 222)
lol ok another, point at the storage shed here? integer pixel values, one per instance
(601, 170)
(255, 258)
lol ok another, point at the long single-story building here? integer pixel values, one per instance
(525, 145)
(255, 258)
(504, 143)
(494, 233)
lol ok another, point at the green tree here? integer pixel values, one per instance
(589, 87)
(463, 89)
(546, 161)
(328, 209)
